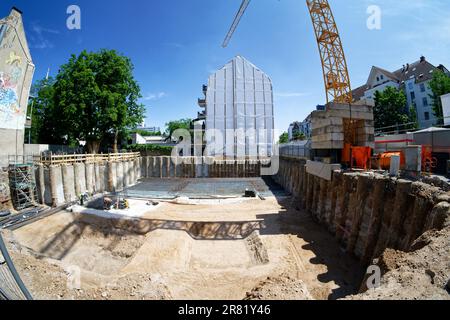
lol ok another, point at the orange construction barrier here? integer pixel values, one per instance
(361, 157)
(385, 159)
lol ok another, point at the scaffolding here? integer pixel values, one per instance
(22, 182)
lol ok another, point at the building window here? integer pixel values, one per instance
(378, 79)
(382, 77)
(410, 86)
(422, 87)
(2, 31)
(425, 102)
(427, 116)
(413, 95)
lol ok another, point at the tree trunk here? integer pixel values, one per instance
(116, 138)
(93, 146)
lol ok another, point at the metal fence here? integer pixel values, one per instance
(296, 150)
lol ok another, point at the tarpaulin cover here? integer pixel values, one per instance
(239, 112)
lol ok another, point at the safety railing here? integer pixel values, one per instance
(50, 159)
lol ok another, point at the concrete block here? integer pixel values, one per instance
(157, 164)
(321, 170)
(80, 178)
(90, 177)
(149, 167)
(126, 174)
(164, 167)
(47, 192)
(328, 137)
(112, 176)
(56, 183)
(172, 168)
(69, 183)
(40, 183)
(137, 169)
(120, 176)
(205, 168)
(101, 180)
(413, 158)
(395, 166)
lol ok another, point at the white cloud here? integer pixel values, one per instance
(39, 37)
(155, 96)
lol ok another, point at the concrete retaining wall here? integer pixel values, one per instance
(59, 184)
(367, 212)
(188, 167)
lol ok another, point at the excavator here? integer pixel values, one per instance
(334, 67)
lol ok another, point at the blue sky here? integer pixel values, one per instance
(176, 44)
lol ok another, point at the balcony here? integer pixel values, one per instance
(205, 89)
(201, 115)
(202, 103)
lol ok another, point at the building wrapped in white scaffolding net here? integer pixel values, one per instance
(239, 112)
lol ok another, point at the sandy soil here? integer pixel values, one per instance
(252, 249)
(421, 274)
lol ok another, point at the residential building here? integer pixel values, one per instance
(297, 128)
(413, 79)
(294, 129)
(446, 108)
(303, 127)
(238, 112)
(150, 129)
(16, 74)
(136, 138)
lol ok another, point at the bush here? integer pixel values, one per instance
(151, 149)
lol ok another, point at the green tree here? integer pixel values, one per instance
(96, 96)
(440, 85)
(284, 138)
(390, 108)
(178, 124)
(413, 118)
(299, 136)
(42, 112)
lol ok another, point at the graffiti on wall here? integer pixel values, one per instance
(10, 80)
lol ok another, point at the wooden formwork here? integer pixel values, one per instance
(86, 158)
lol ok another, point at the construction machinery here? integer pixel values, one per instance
(334, 67)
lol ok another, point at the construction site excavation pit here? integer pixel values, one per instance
(209, 242)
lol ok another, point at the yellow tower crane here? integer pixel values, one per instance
(334, 65)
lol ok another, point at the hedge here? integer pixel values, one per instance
(151, 149)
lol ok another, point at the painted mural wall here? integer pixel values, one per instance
(16, 72)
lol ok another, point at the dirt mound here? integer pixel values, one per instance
(423, 273)
(48, 279)
(280, 288)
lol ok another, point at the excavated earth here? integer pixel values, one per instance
(223, 249)
(246, 249)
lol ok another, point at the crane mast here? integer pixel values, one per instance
(334, 65)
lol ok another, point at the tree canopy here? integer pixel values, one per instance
(177, 124)
(42, 112)
(299, 136)
(93, 97)
(284, 138)
(390, 108)
(440, 85)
